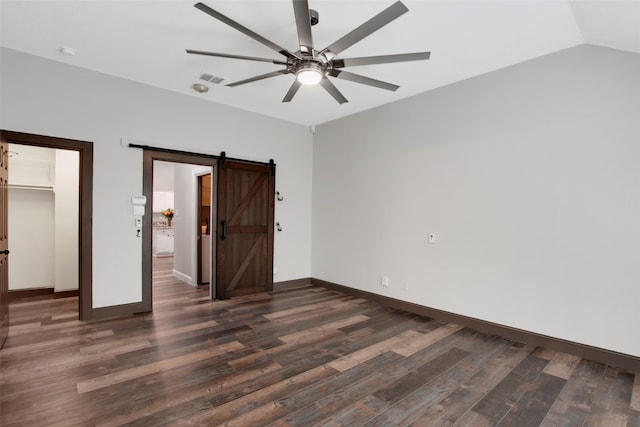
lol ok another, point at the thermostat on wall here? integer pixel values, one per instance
(139, 203)
(139, 200)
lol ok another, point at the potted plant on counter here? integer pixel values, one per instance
(168, 213)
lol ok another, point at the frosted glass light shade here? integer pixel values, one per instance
(309, 74)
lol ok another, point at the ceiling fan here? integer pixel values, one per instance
(311, 66)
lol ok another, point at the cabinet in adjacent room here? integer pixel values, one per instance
(163, 241)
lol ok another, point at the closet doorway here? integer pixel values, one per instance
(43, 221)
(82, 175)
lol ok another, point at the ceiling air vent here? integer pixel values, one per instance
(210, 78)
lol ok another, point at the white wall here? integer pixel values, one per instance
(70, 102)
(66, 221)
(162, 185)
(185, 262)
(529, 177)
(31, 217)
(163, 176)
(31, 236)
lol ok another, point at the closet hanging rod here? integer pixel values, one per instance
(30, 187)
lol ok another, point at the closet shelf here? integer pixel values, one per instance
(30, 187)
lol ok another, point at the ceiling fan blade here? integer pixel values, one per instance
(333, 91)
(357, 78)
(292, 91)
(383, 59)
(369, 27)
(260, 77)
(230, 22)
(228, 55)
(303, 23)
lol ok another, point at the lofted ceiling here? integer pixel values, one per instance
(145, 41)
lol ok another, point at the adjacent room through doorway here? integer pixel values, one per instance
(179, 208)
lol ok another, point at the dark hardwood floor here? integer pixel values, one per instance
(299, 357)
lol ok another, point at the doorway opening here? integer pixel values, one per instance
(169, 252)
(83, 150)
(204, 207)
(43, 221)
(179, 242)
(240, 223)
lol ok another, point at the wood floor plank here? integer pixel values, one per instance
(635, 396)
(532, 407)
(499, 401)
(397, 342)
(185, 396)
(141, 371)
(302, 336)
(412, 406)
(322, 305)
(396, 390)
(425, 340)
(53, 344)
(561, 365)
(355, 414)
(467, 382)
(474, 419)
(300, 356)
(371, 375)
(612, 399)
(247, 405)
(574, 401)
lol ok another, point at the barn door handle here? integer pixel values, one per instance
(224, 230)
(5, 252)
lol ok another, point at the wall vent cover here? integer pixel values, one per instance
(210, 78)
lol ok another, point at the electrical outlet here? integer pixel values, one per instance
(384, 281)
(432, 238)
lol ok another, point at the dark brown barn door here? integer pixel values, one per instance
(4, 244)
(244, 228)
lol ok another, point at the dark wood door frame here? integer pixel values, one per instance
(149, 156)
(199, 233)
(85, 151)
(4, 244)
(199, 205)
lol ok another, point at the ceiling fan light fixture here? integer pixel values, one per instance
(312, 66)
(309, 73)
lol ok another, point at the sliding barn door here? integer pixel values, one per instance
(4, 244)
(245, 228)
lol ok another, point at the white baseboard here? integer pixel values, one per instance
(184, 277)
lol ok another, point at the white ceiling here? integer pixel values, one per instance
(145, 41)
